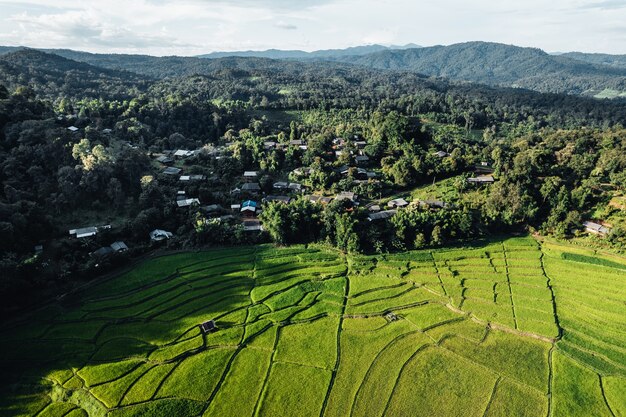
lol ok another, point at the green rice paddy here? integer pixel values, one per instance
(504, 328)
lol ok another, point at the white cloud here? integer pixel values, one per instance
(190, 27)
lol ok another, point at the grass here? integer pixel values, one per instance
(476, 332)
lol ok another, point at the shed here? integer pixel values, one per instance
(252, 225)
(294, 186)
(102, 252)
(72, 129)
(596, 228)
(441, 154)
(251, 187)
(362, 159)
(481, 179)
(164, 159)
(208, 327)
(346, 195)
(250, 174)
(281, 185)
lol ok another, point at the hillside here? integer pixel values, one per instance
(297, 54)
(501, 65)
(498, 329)
(616, 61)
(48, 73)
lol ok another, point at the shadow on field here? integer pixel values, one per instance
(147, 317)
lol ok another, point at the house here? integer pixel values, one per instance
(211, 208)
(88, 231)
(251, 187)
(278, 198)
(119, 246)
(187, 202)
(481, 179)
(297, 142)
(596, 228)
(397, 203)
(360, 144)
(192, 178)
(302, 172)
(157, 235)
(208, 327)
(362, 159)
(165, 160)
(172, 171)
(381, 215)
(250, 175)
(73, 129)
(235, 207)
(483, 168)
(252, 225)
(374, 208)
(102, 252)
(343, 170)
(319, 199)
(269, 145)
(294, 186)
(346, 195)
(183, 153)
(281, 185)
(441, 154)
(107, 131)
(248, 208)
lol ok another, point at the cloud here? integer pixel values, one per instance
(284, 25)
(605, 5)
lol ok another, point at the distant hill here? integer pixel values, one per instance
(297, 54)
(50, 72)
(616, 61)
(500, 65)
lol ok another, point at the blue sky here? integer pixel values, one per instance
(190, 27)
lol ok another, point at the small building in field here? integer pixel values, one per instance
(397, 203)
(208, 327)
(381, 215)
(596, 228)
(158, 235)
(481, 179)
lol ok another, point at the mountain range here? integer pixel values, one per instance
(494, 64)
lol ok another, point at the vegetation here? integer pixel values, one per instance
(501, 327)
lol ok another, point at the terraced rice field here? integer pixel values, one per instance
(508, 328)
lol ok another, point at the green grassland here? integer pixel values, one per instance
(511, 327)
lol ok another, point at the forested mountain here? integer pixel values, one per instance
(616, 61)
(501, 65)
(297, 54)
(49, 73)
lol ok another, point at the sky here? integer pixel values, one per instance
(192, 27)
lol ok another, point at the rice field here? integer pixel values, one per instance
(511, 327)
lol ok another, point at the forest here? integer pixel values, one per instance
(80, 145)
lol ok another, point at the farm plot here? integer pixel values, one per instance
(510, 327)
